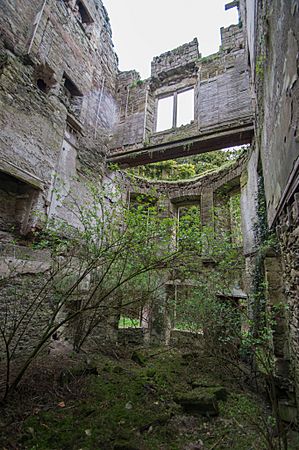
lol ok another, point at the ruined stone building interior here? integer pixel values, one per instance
(70, 119)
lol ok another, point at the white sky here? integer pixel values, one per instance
(142, 29)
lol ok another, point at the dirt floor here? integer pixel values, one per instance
(129, 399)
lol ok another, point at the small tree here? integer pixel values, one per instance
(91, 266)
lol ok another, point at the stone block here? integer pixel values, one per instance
(202, 401)
(287, 412)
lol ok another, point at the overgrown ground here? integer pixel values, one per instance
(124, 399)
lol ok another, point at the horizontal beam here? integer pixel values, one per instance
(232, 4)
(21, 174)
(203, 143)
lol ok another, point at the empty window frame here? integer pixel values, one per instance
(144, 205)
(185, 107)
(80, 11)
(83, 15)
(17, 200)
(165, 113)
(72, 96)
(45, 78)
(188, 233)
(175, 110)
(235, 218)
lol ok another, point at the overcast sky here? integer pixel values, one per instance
(143, 29)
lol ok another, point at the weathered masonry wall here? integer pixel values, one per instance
(23, 272)
(222, 97)
(272, 29)
(188, 190)
(288, 235)
(211, 194)
(62, 97)
(58, 74)
(132, 96)
(274, 63)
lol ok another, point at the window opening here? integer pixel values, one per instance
(72, 96)
(45, 78)
(165, 113)
(188, 227)
(138, 314)
(84, 15)
(175, 110)
(16, 202)
(80, 11)
(42, 85)
(235, 218)
(185, 109)
(186, 314)
(128, 322)
(145, 206)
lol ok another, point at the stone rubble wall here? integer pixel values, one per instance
(221, 93)
(272, 45)
(49, 141)
(276, 82)
(131, 98)
(175, 59)
(22, 275)
(177, 191)
(288, 235)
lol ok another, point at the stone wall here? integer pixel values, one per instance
(58, 74)
(275, 77)
(272, 45)
(188, 190)
(58, 81)
(23, 273)
(172, 60)
(221, 93)
(211, 193)
(132, 95)
(249, 194)
(288, 235)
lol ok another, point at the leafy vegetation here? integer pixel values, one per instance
(127, 322)
(185, 168)
(92, 265)
(104, 275)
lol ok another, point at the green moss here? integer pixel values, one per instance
(260, 67)
(129, 406)
(209, 58)
(136, 83)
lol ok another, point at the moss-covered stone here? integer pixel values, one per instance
(203, 401)
(128, 406)
(138, 357)
(220, 392)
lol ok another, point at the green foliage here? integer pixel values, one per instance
(114, 167)
(235, 216)
(185, 168)
(92, 266)
(127, 322)
(189, 231)
(211, 269)
(136, 83)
